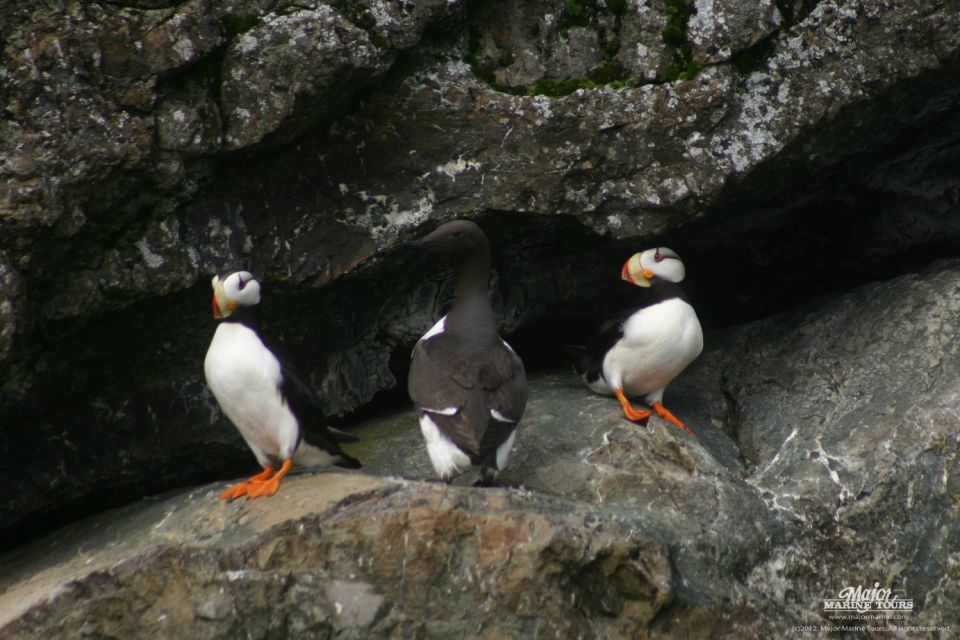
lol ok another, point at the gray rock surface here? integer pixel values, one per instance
(719, 28)
(383, 119)
(825, 457)
(347, 555)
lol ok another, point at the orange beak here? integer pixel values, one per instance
(625, 272)
(216, 308)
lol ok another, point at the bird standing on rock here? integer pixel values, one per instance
(641, 350)
(275, 412)
(468, 385)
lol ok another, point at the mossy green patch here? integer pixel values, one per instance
(606, 72)
(610, 45)
(576, 13)
(683, 67)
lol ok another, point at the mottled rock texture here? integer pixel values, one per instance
(784, 150)
(826, 456)
(349, 556)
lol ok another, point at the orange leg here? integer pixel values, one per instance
(629, 411)
(243, 488)
(664, 413)
(269, 487)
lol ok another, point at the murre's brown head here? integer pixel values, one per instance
(454, 237)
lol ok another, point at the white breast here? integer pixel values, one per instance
(435, 330)
(245, 376)
(658, 343)
(447, 458)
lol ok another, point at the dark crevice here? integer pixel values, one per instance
(794, 11)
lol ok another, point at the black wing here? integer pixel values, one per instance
(461, 388)
(313, 429)
(589, 360)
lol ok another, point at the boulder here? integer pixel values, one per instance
(349, 555)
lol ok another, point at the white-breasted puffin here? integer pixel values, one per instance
(468, 385)
(274, 410)
(638, 352)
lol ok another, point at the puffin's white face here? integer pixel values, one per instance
(661, 263)
(239, 289)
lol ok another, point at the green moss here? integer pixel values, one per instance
(691, 71)
(684, 67)
(574, 9)
(576, 13)
(479, 70)
(606, 72)
(611, 46)
(236, 23)
(678, 14)
(674, 35)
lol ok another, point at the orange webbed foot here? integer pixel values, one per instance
(243, 488)
(664, 413)
(269, 486)
(630, 412)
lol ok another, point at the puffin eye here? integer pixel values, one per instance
(241, 284)
(657, 257)
(457, 234)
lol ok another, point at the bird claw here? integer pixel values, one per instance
(243, 488)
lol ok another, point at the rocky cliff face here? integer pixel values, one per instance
(787, 150)
(825, 457)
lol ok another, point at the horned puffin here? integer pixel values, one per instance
(274, 410)
(640, 350)
(468, 385)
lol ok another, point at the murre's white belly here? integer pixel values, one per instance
(446, 457)
(658, 343)
(245, 377)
